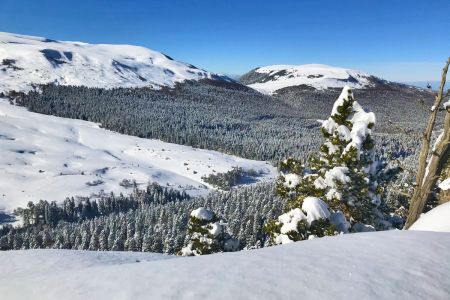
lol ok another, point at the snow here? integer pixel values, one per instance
(337, 174)
(344, 133)
(380, 265)
(26, 61)
(345, 96)
(315, 209)
(289, 221)
(329, 125)
(331, 147)
(361, 120)
(291, 180)
(216, 229)
(446, 105)
(331, 179)
(360, 227)
(52, 260)
(187, 250)
(445, 185)
(427, 169)
(202, 213)
(315, 75)
(338, 219)
(437, 219)
(51, 158)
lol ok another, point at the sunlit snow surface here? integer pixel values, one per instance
(381, 265)
(51, 158)
(437, 219)
(313, 75)
(26, 61)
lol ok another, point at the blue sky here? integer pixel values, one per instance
(396, 39)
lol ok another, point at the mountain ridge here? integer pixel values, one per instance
(28, 61)
(273, 78)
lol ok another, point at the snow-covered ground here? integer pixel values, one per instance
(26, 261)
(26, 61)
(314, 75)
(382, 265)
(47, 157)
(437, 219)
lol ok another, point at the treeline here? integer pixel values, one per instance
(156, 226)
(240, 122)
(399, 108)
(235, 121)
(71, 210)
(225, 181)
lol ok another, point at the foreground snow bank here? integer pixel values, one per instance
(437, 219)
(382, 265)
(40, 262)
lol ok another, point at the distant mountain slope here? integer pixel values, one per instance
(312, 89)
(270, 79)
(398, 108)
(47, 157)
(26, 61)
(210, 113)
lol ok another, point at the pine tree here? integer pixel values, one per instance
(207, 234)
(103, 239)
(340, 189)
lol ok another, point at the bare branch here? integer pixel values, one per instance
(447, 94)
(426, 179)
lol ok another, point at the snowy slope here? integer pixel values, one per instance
(62, 260)
(382, 265)
(47, 157)
(272, 78)
(437, 219)
(28, 60)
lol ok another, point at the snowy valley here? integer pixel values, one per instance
(51, 158)
(116, 161)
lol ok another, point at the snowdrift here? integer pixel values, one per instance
(383, 265)
(437, 219)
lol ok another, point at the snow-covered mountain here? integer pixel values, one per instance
(51, 158)
(381, 265)
(26, 61)
(269, 79)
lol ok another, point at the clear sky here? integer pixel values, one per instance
(396, 39)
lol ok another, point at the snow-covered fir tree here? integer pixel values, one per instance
(340, 190)
(207, 234)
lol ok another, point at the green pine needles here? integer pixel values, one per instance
(340, 189)
(207, 234)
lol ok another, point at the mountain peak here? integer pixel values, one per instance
(26, 61)
(269, 79)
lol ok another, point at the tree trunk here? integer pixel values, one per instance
(427, 174)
